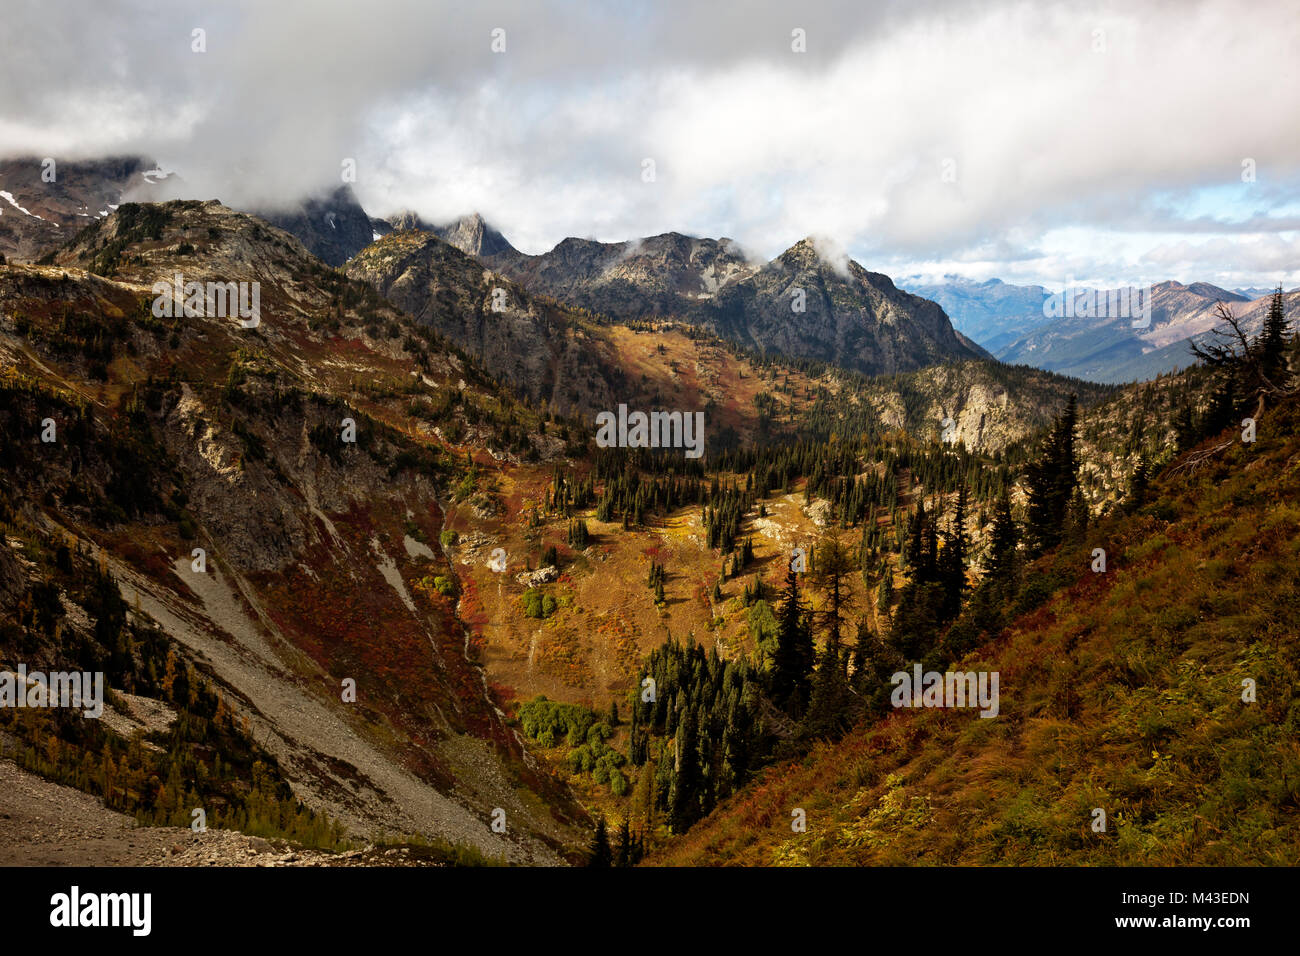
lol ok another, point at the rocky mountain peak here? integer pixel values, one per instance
(473, 236)
(332, 226)
(408, 220)
(817, 254)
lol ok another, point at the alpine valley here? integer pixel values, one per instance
(386, 577)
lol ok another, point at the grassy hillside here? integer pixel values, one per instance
(1120, 691)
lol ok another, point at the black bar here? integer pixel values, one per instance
(332, 905)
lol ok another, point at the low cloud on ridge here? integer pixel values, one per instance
(1022, 140)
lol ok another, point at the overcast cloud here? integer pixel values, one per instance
(1081, 141)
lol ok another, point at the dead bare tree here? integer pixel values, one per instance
(1195, 460)
(1222, 351)
(1248, 364)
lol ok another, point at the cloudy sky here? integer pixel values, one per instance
(1042, 142)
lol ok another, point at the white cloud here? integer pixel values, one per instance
(1068, 160)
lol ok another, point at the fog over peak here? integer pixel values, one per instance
(1029, 141)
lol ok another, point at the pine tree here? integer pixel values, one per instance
(601, 854)
(683, 793)
(1185, 430)
(827, 714)
(1000, 563)
(1138, 484)
(1052, 481)
(1077, 517)
(885, 594)
(624, 854)
(794, 650)
(834, 566)
(873, 663)
(1272, 343)
(929, 570)
(952, 562)
(916, 537)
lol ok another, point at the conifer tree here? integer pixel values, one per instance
(1052, 481)
(834, 566)
(1272, 344)
(885, 594)
(601, 854)
(929, 570)
(1077, 516)
(952, 562)
(1139, 482)
(1004, 537)
(916, 537)
(794, 650)
(827, 714)
(623, 856)
(683, 793)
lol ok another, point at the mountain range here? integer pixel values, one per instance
(807, 303)
(802, 304)
(1013, 322)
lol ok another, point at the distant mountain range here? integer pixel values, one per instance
(993, 313)
(1012, 323)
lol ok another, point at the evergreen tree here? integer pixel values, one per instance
(1272, 343)
(1004, 537)
(874, 661)
(683, 793)
(1076, 517)
(1138, 484)
(601, 854)
(1244, 369)
(834, 566)
(916, 537)
(1185, 430)
(952, 562)
(794, 650)
(827, 715)
(1052, 481)
(929, 570)
(885, 594)
(624, 855)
